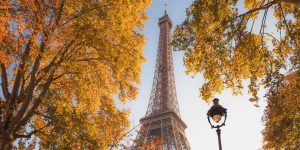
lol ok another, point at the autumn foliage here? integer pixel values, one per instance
(148, 142)
(228, 42)
(282, 115)
(254, 43)
(62, 65)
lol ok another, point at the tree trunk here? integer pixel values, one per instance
(6, 143)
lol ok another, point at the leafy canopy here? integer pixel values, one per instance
(219, 40)
(62, 65)
(282, 115)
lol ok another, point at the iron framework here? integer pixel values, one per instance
(163, 118)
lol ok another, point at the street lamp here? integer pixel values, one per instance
(216, 112)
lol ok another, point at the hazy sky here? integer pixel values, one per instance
(244, 125)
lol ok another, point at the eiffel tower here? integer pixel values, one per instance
(162, 119)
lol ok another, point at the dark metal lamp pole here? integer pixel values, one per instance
(216, 112)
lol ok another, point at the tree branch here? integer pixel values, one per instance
(36, 102)
(19, 75)
(42, 114)
(287, 27)
(88, 59)
(268, 5)
(31, 86)
(60, 11)
(114, 144)
(5, 91)
(29, 94)
(272, 37)
(61, 75)
(31, 133)
(9, 112)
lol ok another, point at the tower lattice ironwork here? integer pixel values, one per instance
(162, 120)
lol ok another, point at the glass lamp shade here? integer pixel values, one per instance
(217, 118)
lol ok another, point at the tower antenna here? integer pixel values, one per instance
(165, 8)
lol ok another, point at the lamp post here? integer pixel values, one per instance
(216, 112)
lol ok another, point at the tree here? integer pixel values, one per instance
(129, 140)
(282, 115)
(147, 142)
(223, 44)
(62, 65)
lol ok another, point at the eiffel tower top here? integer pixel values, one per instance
(163, 96)
(165, 18)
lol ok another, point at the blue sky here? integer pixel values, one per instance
(244, 125)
